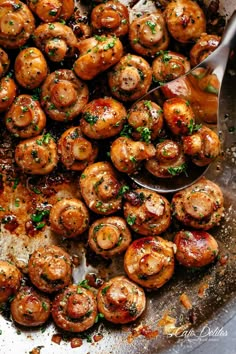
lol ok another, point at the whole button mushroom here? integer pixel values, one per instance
(51, 11)
(10, 280)
(7, 93)
(4, 62)
(204, 46)
(30, 68)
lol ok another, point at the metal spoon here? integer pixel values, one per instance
(204, 104)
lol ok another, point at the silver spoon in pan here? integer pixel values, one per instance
(204, 105)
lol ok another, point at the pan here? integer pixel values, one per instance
(166, 326)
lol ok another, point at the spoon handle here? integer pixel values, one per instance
(229, 35)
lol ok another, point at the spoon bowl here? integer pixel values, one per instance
(201, 87)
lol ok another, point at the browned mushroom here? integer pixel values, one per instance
(25, 118)
(148, 213)
(149, 261)
(30, 68)
(100, 188)
(30, 308)
(7, 93)
(96, 55)
(131, 78)
(10, 279)
(102, 118)
(37, 155)
(195, 248)
(50, 268)
(109, 236)
(51, 11)
(4, 62)
(185, 20)
(63, 95)
(204, 46)
(16, 23)
(69, 217)
(120, 300)
(75, 150)
(148, 34)
(112, 17)
(75, 309)
(56, 40)
(199, 206)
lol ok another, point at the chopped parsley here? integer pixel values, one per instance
(145, 134)
(90, 118)
(174, 171)
(131, 219)
(104, 290)
(84, 284)
(152, 26)
(193, 127)
(99, 317)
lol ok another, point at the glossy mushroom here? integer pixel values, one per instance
(127, 154)
(109, 236)
(148, 34)
(203, 146)
(185, 20)
(30, 308)
(203, 47)
(100, 187)
(199, 206)
(178, 115)
(195, 248)
(51, 11)
(97, 54)
(50, 268)
(74, 309)
(131, 78)
(10, 280)
(30, 68)
(102, 118)
(69, 217)
(169, 160)
(16, 23)
(37, 156)
(149, 261)
(56, 40)
(112, 17)
(169, 65)
(25, 117)
(7, 93)
(147, 212)
(120, 300)
(4, 62)
(75, 150)
(63, 95)
(146, 119)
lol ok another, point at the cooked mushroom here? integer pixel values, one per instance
(96, 55)
(204, 46)
(131, 78)
(149, 261)
(100, 188)
(109, 236)
(30, 68)
(51, 11)
(148, 34)
(7, 93)
(120, 300)
(126, 154)
(146, 119)
(178, 115)
(111, 17)
(195, 248)
(169, 160)
(169, 65)
(69, 217)
(75, 150)
(4, 62)
(25, 117)
(199, 206)
(185, 20)
(148, 213)
(16, 23)
(50, 268)
(63, 95)
(102, 118)
(75, 309)
(56, 40)
(10, 279)
(37, 156)
(203, 146)
(30, 308)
